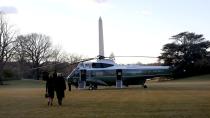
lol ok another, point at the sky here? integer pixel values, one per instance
(131, 27)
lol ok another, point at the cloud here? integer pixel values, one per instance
(8, 9)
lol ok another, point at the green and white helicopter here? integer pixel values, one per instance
(105, 72)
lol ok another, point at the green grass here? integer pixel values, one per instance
(189, 98)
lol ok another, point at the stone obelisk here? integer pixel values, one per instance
(101, 39)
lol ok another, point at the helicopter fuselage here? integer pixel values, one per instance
(105, 72)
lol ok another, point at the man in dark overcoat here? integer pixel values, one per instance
(60, 87)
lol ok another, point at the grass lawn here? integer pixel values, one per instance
(189, 98)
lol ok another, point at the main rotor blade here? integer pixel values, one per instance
(82, 60)
(138, 56)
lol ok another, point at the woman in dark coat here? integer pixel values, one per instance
(50, 88)
(60, 87)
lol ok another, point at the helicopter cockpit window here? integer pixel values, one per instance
(101, 65)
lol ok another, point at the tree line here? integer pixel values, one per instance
(25, 54)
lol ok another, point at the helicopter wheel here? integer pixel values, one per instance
(93, 87)
(90, 88)
(145, 86)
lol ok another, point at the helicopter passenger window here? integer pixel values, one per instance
(101, 65)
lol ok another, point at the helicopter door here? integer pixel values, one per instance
(82, 80)
(119, 83)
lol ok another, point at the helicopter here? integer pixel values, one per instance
(105, 72)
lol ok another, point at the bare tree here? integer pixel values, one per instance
(60, 56)
(20, 55)
(7, 35)
(72, 58)
(36, 48)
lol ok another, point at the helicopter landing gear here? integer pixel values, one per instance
(145, 86)
(93, 87)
